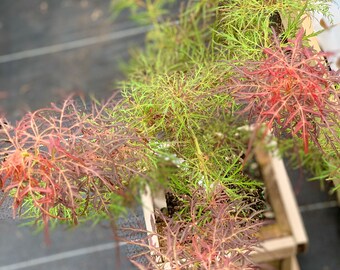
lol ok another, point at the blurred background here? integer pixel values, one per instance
(50, 49)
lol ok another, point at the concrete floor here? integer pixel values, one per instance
(49, 49)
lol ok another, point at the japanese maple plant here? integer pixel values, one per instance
(68, 163)
(291, 92)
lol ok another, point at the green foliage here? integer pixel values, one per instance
(173, 104)
(207, 32)
(144, 12)
(245, 27)
(85, 211)
(172, 92)
(176, 45)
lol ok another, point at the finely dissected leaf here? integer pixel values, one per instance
(68, 163)
(291, 91)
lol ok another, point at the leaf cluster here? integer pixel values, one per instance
(68, 164)
(291, 92)
(218, 233)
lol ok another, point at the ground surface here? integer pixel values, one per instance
(49, 49)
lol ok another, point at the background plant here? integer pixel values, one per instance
(149, 11)
(176, 42)
(244, 27)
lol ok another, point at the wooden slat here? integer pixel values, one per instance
(275, 249)
(290, 264)
(308, 26)
(149, 216)
(289, 202)
(274, 196)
